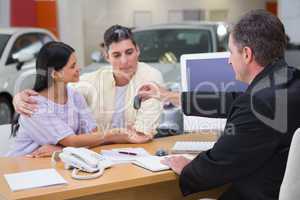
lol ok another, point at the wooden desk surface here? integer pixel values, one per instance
(116, 179)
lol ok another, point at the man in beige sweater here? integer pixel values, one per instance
(110, 92)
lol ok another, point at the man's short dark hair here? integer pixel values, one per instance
(263, 33)
(117, 33)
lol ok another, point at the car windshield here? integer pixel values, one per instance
(167, 45)
(3, 40)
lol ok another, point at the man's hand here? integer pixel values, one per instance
(24, 104)
(152, 90)
(45, 151)
(176, 163)
(136, 137)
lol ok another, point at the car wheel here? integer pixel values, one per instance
(6, 111)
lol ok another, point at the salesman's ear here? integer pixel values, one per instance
(247, 55)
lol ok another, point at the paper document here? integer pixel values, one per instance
(124, 155)
(191, 146)
(137, 156)
(151, 163)
(34, 179)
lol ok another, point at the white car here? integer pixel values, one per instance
(18, 50)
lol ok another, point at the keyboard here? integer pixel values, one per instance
(193, 147)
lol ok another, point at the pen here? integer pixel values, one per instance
(128, 153)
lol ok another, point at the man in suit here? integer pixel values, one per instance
(251, 153)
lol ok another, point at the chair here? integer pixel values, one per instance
(5, 140)
(290, 187)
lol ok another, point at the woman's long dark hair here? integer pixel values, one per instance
(52, 56)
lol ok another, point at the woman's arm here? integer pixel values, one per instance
(83, 140)
(125, 135)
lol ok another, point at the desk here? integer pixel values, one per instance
(124, 181)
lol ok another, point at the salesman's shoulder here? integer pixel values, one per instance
(282, 86)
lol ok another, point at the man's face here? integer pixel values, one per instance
(236, 59)
(123, 56)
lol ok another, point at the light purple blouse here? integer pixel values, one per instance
(52, 122)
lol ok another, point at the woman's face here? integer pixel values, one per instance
(70, 72)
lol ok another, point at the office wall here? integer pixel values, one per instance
(99, 15)
(46, 15)
(289, 13)
(82, 23)
(4, 13)
(32, 13)
(96, 20)
(121, 10)
(70, 25)
(23, 13)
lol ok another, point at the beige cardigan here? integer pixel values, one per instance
(98, 88)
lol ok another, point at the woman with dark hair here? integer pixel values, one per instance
(62, 118)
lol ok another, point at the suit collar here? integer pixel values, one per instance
(269, 71)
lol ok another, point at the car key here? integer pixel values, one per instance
(137, 102)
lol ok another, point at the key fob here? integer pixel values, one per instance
(137, 102)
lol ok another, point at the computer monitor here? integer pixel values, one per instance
(209, 72)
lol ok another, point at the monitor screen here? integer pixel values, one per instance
(207, 72)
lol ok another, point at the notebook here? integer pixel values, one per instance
(193, 147)
(151, 163)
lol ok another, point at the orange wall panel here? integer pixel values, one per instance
(46, 13)
(272, 7)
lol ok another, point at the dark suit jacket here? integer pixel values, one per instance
(251, 153)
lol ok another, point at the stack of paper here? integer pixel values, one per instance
(34, 179)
